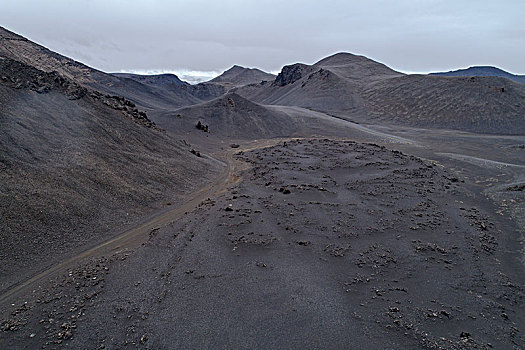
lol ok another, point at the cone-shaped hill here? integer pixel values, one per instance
(239, 76)
(229, 116)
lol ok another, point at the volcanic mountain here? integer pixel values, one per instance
(332, 84)
(229, 116)
(482, 71)
(357, 88)
(238, 76)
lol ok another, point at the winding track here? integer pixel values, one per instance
(136, 236)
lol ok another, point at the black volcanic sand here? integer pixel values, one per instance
(324, 244)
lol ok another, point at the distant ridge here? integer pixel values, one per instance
(153, 79)
(478, 99)
(333, 84)
(483, 71)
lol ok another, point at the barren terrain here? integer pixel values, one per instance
(339, 241)
(339, 205)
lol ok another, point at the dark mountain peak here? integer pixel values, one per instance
(291, 73)
(237, 68)
(231, 102)
(232, 99)
(234, 71)
(231, 72)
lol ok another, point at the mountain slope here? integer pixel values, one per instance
(186, 94)
(482, 71)
(356, 67)
(21, 49)
(332, 84)
(229, 116)
(477, 104)
(77, 165)
(239, 76)
(358, 88)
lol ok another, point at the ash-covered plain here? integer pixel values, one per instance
(323, 244)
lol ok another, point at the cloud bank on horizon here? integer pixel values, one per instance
(197, 39)
(190, 76)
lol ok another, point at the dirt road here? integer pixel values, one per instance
(134, 237)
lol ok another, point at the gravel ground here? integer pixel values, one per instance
(324, 244)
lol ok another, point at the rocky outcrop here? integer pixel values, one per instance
(18, 75)
(290, 74)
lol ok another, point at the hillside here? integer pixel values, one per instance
(333, 84)
(76, 166)
(16, 47)
(229, 116)
(477, 104)
(238, 76)
(21, 49)
(358, 88)
(189, 94)
(483, 71)
(356, 67)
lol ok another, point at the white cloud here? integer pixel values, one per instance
(194, 77)
(190, 76)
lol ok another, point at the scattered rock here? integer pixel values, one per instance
(464, 335)
(201, 126)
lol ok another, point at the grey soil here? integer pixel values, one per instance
(323, 244)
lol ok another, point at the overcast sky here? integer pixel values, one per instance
(201, 38)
